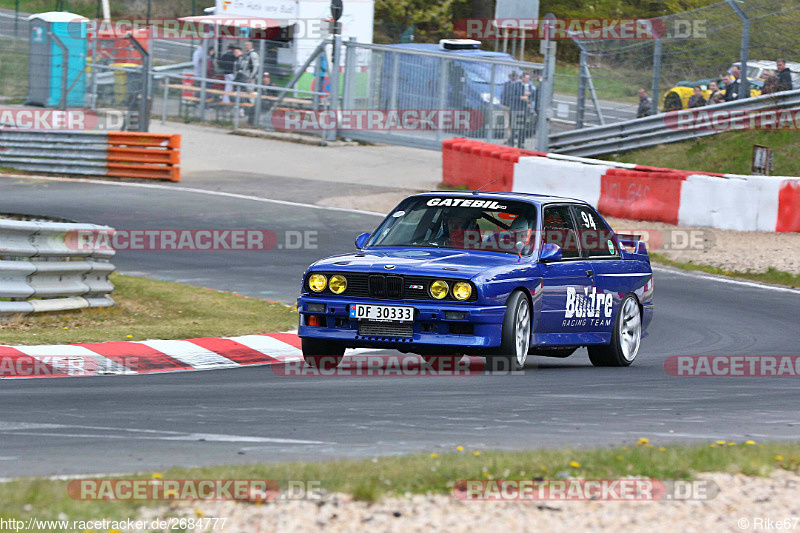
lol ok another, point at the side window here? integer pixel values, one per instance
(559, 228)
(596, 239)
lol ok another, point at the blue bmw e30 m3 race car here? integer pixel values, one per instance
(502, 275)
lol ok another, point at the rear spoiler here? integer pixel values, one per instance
(635, 244)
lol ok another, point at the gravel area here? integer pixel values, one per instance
(740, 498)
(743, 251)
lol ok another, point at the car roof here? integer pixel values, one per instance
(765, 63)
(429, 47)
(539, 199)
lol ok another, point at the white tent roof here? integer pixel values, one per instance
(238, 21)
(58, 16)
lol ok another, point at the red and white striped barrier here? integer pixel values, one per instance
(637, 192)
(143, 357)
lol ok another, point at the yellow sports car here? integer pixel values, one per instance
(678, 96)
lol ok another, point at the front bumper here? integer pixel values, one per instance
(481, 326)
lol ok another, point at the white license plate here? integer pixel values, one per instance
(382, 313)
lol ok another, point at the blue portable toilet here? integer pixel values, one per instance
(57, 60)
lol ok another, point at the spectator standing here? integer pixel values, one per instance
(784, 77)
(197, 62)
(513, 98)
(239, 66)
(251, 62)
(731, 87)
(697, 100)
(530, 99)
(716, 95)
(645, 105)
(211, 70)
(770, 82)
(226, 65)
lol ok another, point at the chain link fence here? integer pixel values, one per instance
(694, 48)
(471, 95)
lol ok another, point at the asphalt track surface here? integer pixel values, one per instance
(125, 424)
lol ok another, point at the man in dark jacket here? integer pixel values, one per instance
(226, 64)
(731, 87)
(513, 98)
(784, 77)
(645, 105)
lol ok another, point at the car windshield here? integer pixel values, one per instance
(463, 223)
(482, 72)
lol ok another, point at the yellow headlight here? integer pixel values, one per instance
(317, 282)
(462, 290)
(338, 284)
(439, 289)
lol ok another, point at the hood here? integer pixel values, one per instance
(418, 262)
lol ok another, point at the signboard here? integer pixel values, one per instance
(275, 9)
(763, 160)
(517, 9)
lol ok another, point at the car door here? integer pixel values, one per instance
(612, 277)
(564, 282)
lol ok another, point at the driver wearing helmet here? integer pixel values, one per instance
(462, 230)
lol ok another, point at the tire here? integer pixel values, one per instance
(625, 339)
(322, 354)
(672, 102)
(516, 336)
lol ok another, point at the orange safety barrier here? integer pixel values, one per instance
(144, 155)
(476, 164)
(637, 195)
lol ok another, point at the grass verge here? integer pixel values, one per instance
(729, 152)
(152, 309)
(371, 479)
(773, 276)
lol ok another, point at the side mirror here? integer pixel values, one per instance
(550, 253)
(361, 240)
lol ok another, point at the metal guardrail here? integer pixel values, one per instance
(655, 129)
(45, 267)
(58, 152)
(390, 78)
(113, 154)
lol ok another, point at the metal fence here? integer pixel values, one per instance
(231, 104)
(660, 129)
(695, 47)
(385, 79)
(113, 79)
(44, 267)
